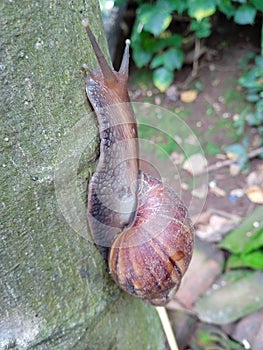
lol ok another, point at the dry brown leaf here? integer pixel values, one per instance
(219, 192)
(188, 96)
(255, 178)
(232, 156)
(217, 225)
(255, 194)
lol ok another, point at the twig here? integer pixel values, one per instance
(190, 78)
(196, 57)
(167, 327)
(227, 162)
(194, 73)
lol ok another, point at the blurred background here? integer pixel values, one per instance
(202, 61)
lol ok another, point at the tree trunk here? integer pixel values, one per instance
(55, 290)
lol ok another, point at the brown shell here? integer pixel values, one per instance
(149, 259)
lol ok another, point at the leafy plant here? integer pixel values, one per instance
(239, 152)
(252, 81)
(212, 337)
(246, 242)
(154, 43)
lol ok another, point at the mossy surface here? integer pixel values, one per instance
(55, 289)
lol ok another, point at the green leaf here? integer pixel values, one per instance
(252, 97)
(153, 19)
(168, 5)
(165, 41)
(141, 57)
(253, 260)
(201, 28)
(245, 14)
(174, 40)
(212, 148)
(159, 21)
(141, 43)
(226, 7)
(173, 59)
(210, 337)
(201, 9)
(162, 78)
(199, 86)
(259, 105)
(259, 59)
(255, 119)
(172, 5)
(253, 78)
(238, 293)
(157, 61)
(180, 6)
(240, 151)
(255, 242)
(148, 42)
(246, 234)
(258, 4)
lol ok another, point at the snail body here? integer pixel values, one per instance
(140, 224)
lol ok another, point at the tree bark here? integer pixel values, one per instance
(55, 289)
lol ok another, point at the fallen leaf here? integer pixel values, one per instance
(232, 156)
(255, 177)
(255, 194)
(245, 233)
(250, 328)
(188, 96)
(204, 217)
(219, 192)
(217, 227)
(234, 295)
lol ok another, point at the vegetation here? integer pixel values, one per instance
(162, 30)
(155, 38)
(251, 81)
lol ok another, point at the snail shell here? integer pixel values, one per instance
(149, 259)
(141, 226)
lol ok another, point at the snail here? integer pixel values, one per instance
(139, 223)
